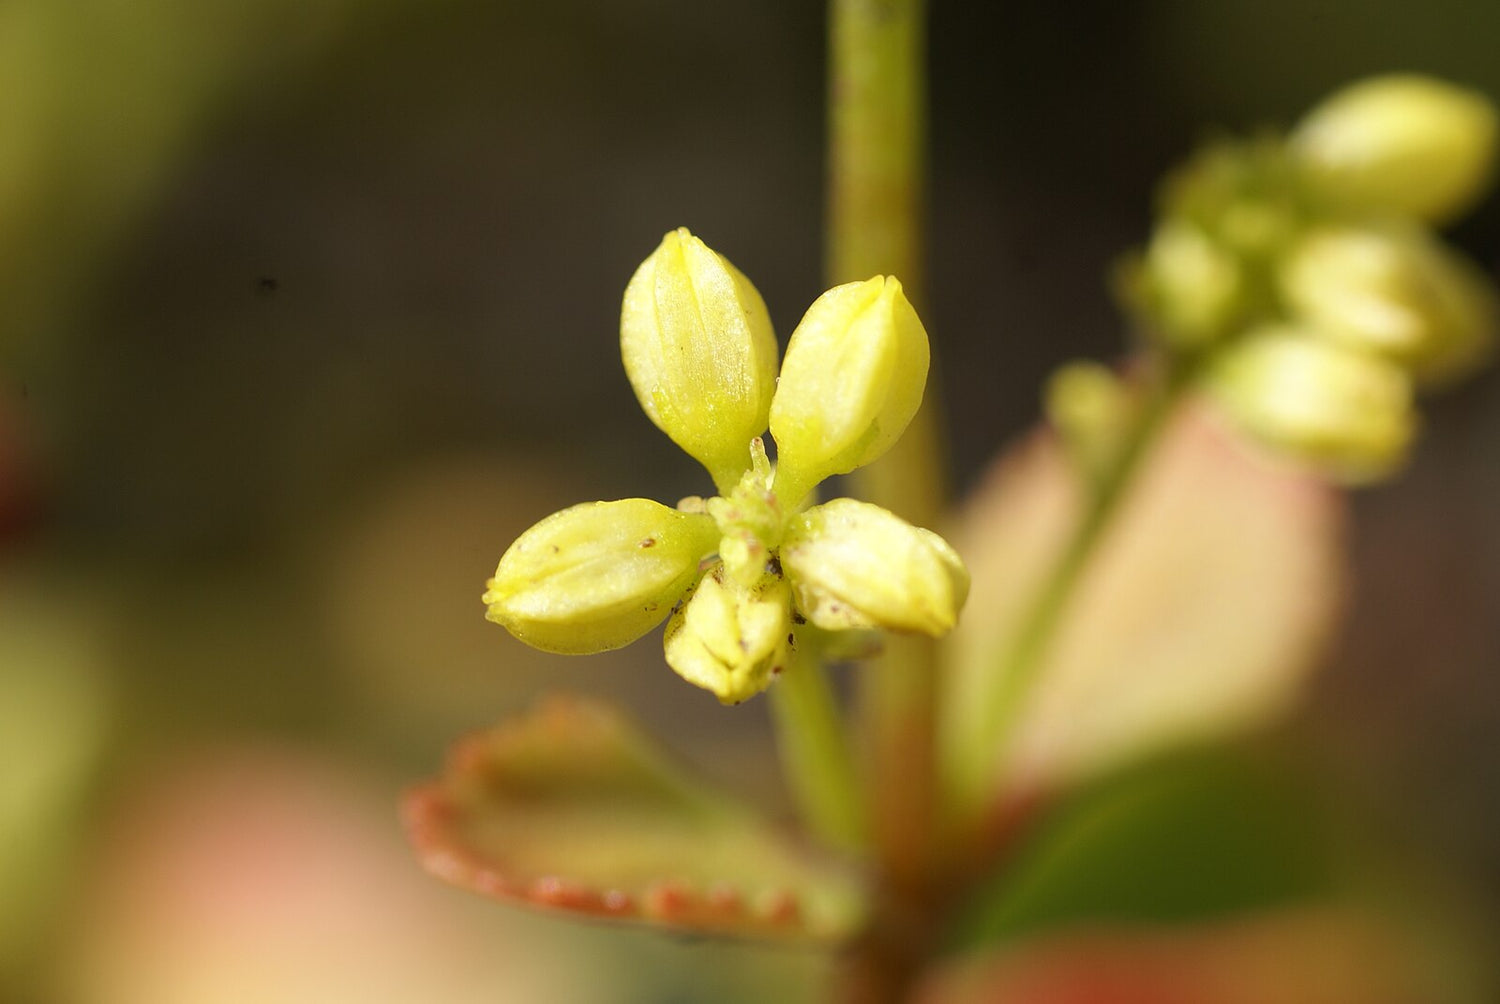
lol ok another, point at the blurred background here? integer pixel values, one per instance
(310, 306)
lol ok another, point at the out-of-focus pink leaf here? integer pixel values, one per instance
(569, 808)
(1308, 957)
(1208, 601)
(256, 874)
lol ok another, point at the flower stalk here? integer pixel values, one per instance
(877, 96)
(814, 749)
(876, 165)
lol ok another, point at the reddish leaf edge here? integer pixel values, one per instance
(721, 909)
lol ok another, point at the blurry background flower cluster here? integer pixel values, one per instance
(311, 306)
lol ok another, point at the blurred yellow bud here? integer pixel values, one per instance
(1257, 227)
(1242, 194)
(599, 575)
(1091, 410)
(699, 352)
(855, 565)
(1473, 318)
(1193, 285)
(1391, 290)
(731, 639)
(1347, 413)
(1403, 144)
(853, 377)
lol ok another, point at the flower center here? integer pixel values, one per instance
(751, 520)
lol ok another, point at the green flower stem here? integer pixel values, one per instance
(877, 101)
(876, 108)
(876, 138)
(1020, 666)
(815, 751)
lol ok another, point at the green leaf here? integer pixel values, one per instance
(569, 808)
(1198, 835)
(1326, 955)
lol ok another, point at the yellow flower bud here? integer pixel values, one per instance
(1193, 287)
(699, 351)
(599, 575)
(853, 377)
(1392, 290)
(1473, 317)
(730, 639)
(1090, 407)
(1242, 194)
(1404, 144)
(1347, 413)
(856, 565)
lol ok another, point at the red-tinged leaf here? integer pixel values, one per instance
(1303, 957)
(571, 809)
(1207, 602)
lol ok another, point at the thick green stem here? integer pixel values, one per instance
(876, 162)
(876, 139)
(815, 751)
(876, 107)
(1021, 664)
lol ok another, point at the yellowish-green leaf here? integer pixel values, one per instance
(571, 809)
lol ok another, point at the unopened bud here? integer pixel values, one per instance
(1189, 286)
(730, 639)
(856, 565)
(1242, 194)
(853, 377)
(599, 575)
(1345, 412)
(1391, 290)
(699, 351)
(1402, 144)
(1091, 409)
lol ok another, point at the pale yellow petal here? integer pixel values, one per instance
(699, 351)
(853, 377)
(856, 565)
(599, 575)
(729, 639)
(1403, 144)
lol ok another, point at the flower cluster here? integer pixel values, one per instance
(735, 575)
(1304, 270)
